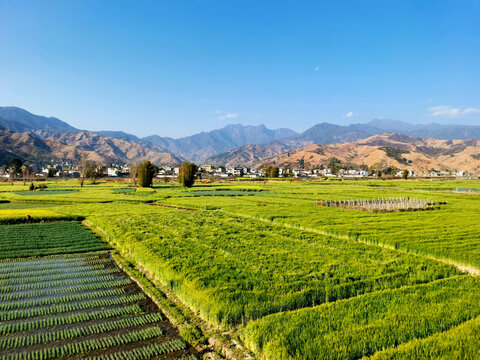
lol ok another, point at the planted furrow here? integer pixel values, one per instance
(71, 333)
(86, 346)
(63, 308)
(146, 352)
(59, 299)
(71, 289)
(34, 324)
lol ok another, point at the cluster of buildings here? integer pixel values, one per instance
(209, 171)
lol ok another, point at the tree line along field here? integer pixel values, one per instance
(75, 305)
(292, 280)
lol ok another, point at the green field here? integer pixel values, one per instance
(74, 306)
(65, 237)
(77, 305)
(286, 278)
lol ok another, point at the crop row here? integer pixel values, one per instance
(53, 251)
(35, 324)
(74, 274)
(64, 290)
(24, 240)
(54, 262)
(147, 352)
(6, 306)
(41, 271)
(63, 308)
(45, 244)
(75, 332)
(85, 346)
(9, 269)
(52, 284)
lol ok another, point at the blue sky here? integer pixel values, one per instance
(175, 68)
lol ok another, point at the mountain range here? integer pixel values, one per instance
(326, 134)
(36, 138)
(387, 149)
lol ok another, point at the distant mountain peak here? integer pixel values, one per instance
(20, 120)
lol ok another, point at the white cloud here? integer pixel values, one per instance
(468, 111)
(349, 114)
(228, 116)
(451, 112)
(317, 68)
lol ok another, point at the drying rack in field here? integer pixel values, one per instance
(383, 204)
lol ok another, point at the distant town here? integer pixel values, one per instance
(19, 171)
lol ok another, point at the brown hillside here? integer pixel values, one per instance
(114, 148)
(74, 146)
(401, 151)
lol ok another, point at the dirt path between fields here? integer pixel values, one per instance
(468, 269)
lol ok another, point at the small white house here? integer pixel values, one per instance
(112, 172)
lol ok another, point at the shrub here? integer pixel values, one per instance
(145, 173)
(187, 174)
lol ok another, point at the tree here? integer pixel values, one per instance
(88, 169)
(272, 171)
(51, 172)
(334, 165)
(187, 174)
(15, 167)
(145, 173)
(405, 174)
(26, 172)
(133, 172)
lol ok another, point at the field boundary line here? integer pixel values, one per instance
(419, 340)
(462, 267)
(174, 207)
(209, 332)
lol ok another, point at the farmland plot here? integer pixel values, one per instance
(75, 305)
(233, 269)
(284, 277)
(65, 237)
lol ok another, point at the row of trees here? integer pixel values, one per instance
(141, 173)
(144, 172)
(16, 168)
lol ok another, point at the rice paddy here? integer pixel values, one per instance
(367, 274)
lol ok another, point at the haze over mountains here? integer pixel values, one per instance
(35, 138)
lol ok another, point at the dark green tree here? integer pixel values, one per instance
(187, 174)
(405, 174)
(272, 171)
(145, 173)
(334, 165)
(15, 166)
